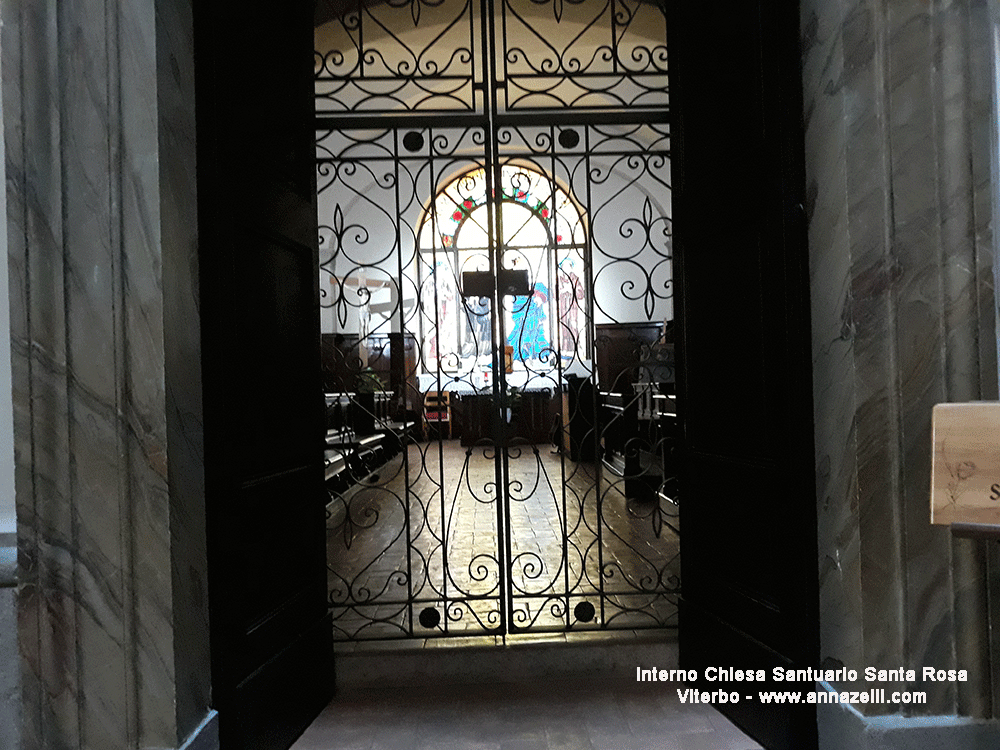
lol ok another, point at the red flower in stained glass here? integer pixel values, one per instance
(457, 216)
(468, 204)
(521, 195)
(545, 213)
(558, 238)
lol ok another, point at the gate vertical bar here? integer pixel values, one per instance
(495, 235)
(400, 277)
(563, 403)
(595, 391)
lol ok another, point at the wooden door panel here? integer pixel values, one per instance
(266, 590)
(263, 416)
(710, 640)
(744, 381)
(747, 532)
(281, 697)
(276, 352)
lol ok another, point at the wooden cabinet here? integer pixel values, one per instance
(341, 361)
(636, 414)
(392, 358)
(579, 420)
(533, 420)
(621, 351)
(637, 441)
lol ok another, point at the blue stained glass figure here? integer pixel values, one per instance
(529, 336)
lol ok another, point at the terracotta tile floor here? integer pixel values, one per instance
(436, 515)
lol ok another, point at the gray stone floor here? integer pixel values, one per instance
(550, 715)
(431, 530)
(575, 692)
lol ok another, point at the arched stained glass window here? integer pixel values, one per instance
(541, 230)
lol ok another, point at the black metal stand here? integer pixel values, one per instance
(975, 530)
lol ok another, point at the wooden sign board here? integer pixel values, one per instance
(965, 473)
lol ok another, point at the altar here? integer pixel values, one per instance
(529, 408)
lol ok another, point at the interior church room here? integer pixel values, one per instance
(498, 374)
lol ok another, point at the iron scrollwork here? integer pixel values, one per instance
(544, 520)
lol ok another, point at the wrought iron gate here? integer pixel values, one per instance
(496, 281)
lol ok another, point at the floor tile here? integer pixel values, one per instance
(560, 738)
(713, 741)
(585, 716)
(524, 744)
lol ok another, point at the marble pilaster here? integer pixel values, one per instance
(834, 383)
(182, 342)
(897, 115)
(95, 129)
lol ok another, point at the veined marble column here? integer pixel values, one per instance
(98, 118)
(898, 122)
(10, 682)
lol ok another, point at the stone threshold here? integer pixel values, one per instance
(517, 640)
(612, 656)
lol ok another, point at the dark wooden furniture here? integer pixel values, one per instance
(360, 437)
(391, 358)
(623, 354)
(437, 412)
(368, 420)
(580, 432)
(532, 419)
(637, 442)
(341, 361)
(635, 373)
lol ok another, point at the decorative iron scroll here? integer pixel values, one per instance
(572, 549)
(555, 511)
(398, 56)
(426, 56)
(582, 54)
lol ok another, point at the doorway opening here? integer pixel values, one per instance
(496, 288)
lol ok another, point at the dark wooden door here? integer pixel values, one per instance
(748, 500)
(270, 630)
